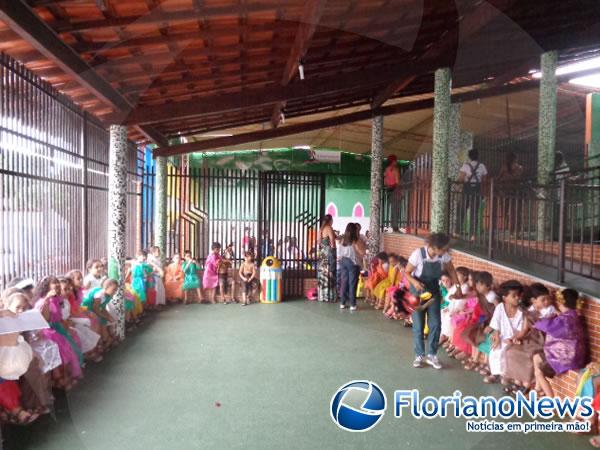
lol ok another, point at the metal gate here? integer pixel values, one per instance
(290, 206)
(269, 213)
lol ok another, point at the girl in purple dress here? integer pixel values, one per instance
(210, 279)
(564, 348)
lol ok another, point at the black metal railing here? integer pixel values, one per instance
(554, 227)
(53, 180)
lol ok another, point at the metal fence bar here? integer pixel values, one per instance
(53, 179)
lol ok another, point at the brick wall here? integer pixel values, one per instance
(563, 385)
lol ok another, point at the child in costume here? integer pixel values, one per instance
(141, 271)
(15, 358)
(380, 290)
(191, 281)
(454, 312)
(519, 354)
(95, 275)
(210, 278)
(564, 347)
(401, 283)
(97, 301)
(49, 304)
(378, 271)
(88, 339)
(226, 263)
(248, 276)
(174, 279)
(474, 333)
(508, 320)
(446, 289)
(157, 276)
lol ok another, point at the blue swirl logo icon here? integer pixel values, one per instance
(358, 406)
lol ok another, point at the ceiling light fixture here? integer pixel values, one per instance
(592, 81)
(301, 69)
(580, 66)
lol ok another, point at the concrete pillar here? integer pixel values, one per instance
(455, 160)
(546, 140)
(439, 181)
(117, 216)
(547, 117)
(376, 184)
(160, 207)
(454, 142)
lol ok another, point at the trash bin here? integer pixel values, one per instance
(270, 280)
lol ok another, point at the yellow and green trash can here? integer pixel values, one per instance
(270, 280)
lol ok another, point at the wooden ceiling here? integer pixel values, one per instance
(186, 67)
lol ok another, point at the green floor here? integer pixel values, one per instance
(261, 377)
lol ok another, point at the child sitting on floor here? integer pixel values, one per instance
(379, 292)
(377, 273)
(401, 283)
(97, 301)
(46, 352)
(95, 275)
(519, 354)
(475, 334)
(507, 321)
(88, 339)
(455, 311)
(446, 290)
(564, 347)
(15, 357)
(49, 304)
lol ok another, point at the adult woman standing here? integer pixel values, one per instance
(423, 272)
(326, 272)
(391, 183)
(350, 252)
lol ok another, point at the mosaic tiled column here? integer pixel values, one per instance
(376, 184)
(546, 134)
(160, 206)
(439, 181)
(117, 216)
(454, 157)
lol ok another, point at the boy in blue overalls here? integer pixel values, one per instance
(424, 270)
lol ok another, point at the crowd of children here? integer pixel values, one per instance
(519, 336)
(82, 319)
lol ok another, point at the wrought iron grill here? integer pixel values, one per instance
(53, 180)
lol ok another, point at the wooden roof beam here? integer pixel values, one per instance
(23, 21)
(270, 95)
(471, 24)
(158, 16)
(273, 133)
(313, 9)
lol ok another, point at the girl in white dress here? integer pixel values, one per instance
(507, 321)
